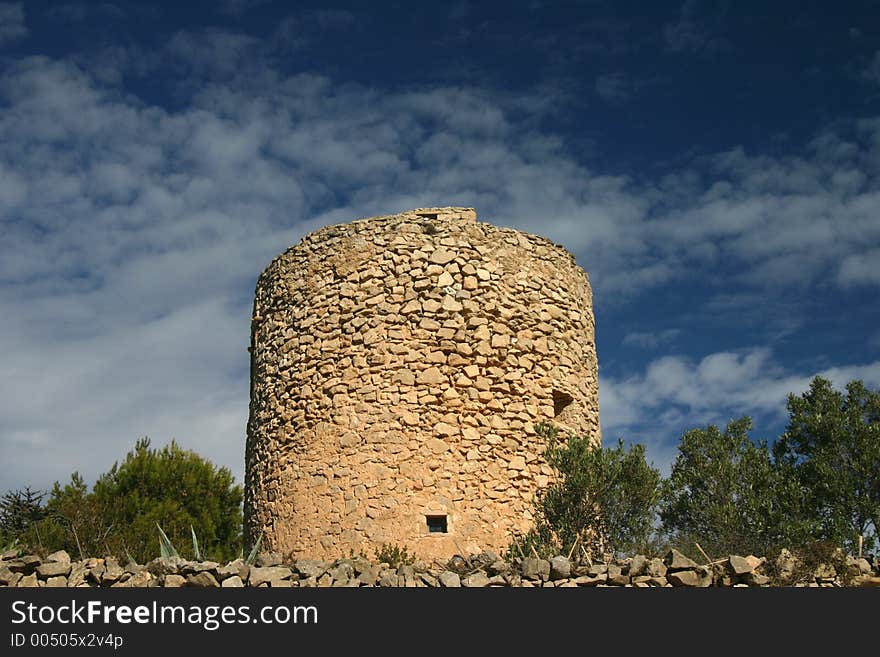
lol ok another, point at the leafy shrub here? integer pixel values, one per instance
(394, 555)
(832, 447)
(602, 499)
(804, 562)
(725, 492)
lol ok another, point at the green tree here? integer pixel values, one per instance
(172, 487)
(832, 444)
(75, 521)
(601, 498)
(725, 492)
(20, 511)
(175, 489)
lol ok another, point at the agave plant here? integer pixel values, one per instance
(197, 555)
(128, 556)
(254, 550)
(166, 549)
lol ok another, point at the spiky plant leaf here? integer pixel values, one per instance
(166, 549)
(196, 553)
(131, 558)
(255, 550)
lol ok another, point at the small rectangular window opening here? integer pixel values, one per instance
(437, 524)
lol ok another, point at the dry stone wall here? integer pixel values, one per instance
(478, 571)
(398, 367)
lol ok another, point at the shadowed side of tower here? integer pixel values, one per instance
(398, 367)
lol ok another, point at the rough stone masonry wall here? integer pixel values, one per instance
(399, 365)
(483, 570)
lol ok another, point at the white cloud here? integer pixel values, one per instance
(211, 53)
(614, 88)
(872, 72)
(81, 403)
(302, 29)
(650, 339)
(677, 393)
(779, 222)
(332, 19)
(860, 268)
(12, 22)
(695, 29)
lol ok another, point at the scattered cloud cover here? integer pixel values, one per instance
(614, 88)
(651, 339)
(872, 72)
(676, 393)
(860, 268)
(142, 191)
(12, 23)
(696, 28)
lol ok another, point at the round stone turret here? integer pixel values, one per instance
(399, 365)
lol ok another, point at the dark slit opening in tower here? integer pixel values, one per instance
(561, 401)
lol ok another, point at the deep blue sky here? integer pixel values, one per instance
(712, 165)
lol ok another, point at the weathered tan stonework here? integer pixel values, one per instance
(398, 367)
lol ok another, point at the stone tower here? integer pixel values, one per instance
(398, 367)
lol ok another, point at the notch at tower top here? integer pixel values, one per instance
(446, 213)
